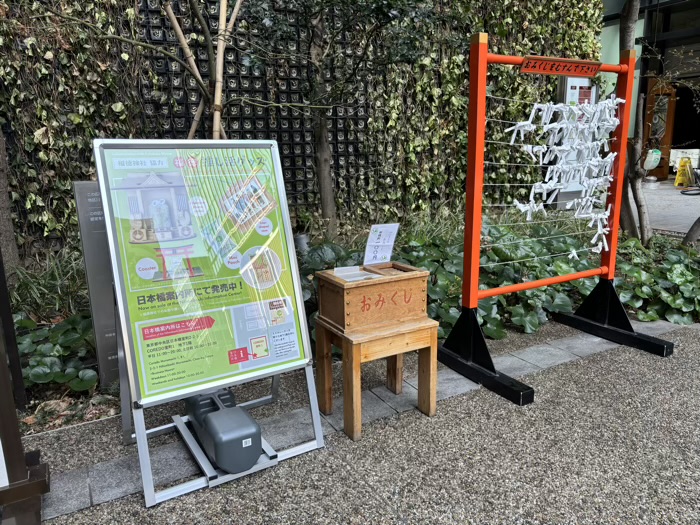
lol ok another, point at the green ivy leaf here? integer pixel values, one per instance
(651, 315)
(24, 323)
(644, 291)
(38, 335)
(677, 317)
(449, 316)
(437, 292)
(67, 375)
(69, 338)
(494, 329)
(560, 303)
(680, 275)
(25, 345)
(46, 349)
(85, 381)
(454, 266)
(689, 290)
(41, 374)
(528, 320)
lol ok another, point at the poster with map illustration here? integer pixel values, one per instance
(203, 263)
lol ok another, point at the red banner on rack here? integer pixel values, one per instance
(560, 66)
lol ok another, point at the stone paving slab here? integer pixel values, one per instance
(78, 489)
(654, 328)
(513, 366)
(403, 402)
(584, 345)
(121, 477)
(372, 408)
(606, 451)
(450, 384)
(290, 429)
(545, 356)
(70, 492)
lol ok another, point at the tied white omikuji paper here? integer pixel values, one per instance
(581, 129)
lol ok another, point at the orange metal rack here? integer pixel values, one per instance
(601, 313)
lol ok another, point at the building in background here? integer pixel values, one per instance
(668, 72)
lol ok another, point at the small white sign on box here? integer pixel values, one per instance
(380, 243)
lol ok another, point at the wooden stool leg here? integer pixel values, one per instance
(427, 376)
(352, 390)
(394, 373)
(324, 372)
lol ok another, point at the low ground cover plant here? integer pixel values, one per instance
(659, 282)
(58, 354)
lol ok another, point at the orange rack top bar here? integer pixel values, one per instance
(519, 61)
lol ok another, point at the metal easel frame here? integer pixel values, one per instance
(128, 435)
(211, 475)
(129, 381)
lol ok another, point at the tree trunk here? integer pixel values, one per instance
(322, 148)
(7, 232)
(645, 231)
(693, 233)
(637, 176)
(628, 22)
(628, 219)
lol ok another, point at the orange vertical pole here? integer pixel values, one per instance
(476, 144)
(625, 86)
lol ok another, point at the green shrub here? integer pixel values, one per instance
(60, 354)
(52, 286)
(60, 88)
(660, 282)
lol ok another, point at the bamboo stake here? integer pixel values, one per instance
(196, 119)
(219, 78)
(220, 50)
(211, 56)
(234, 16)
(189, 57)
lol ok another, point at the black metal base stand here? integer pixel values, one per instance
(603, 315)
(465, 352)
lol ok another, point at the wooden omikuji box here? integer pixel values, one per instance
(399, 294)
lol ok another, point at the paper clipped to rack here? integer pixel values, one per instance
(380, 243)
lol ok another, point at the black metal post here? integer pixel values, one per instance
(10, 341)
(27, 478)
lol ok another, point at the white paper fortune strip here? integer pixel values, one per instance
(574, 136)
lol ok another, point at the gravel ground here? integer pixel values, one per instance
(83, 445)
(611, 439)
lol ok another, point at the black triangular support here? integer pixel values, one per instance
(465, 351)
(603, 315)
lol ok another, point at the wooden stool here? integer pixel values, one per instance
(370, 343)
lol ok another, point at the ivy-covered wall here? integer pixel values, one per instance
(418, 123)
(61, 86)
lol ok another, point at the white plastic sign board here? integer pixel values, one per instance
(204, 266)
